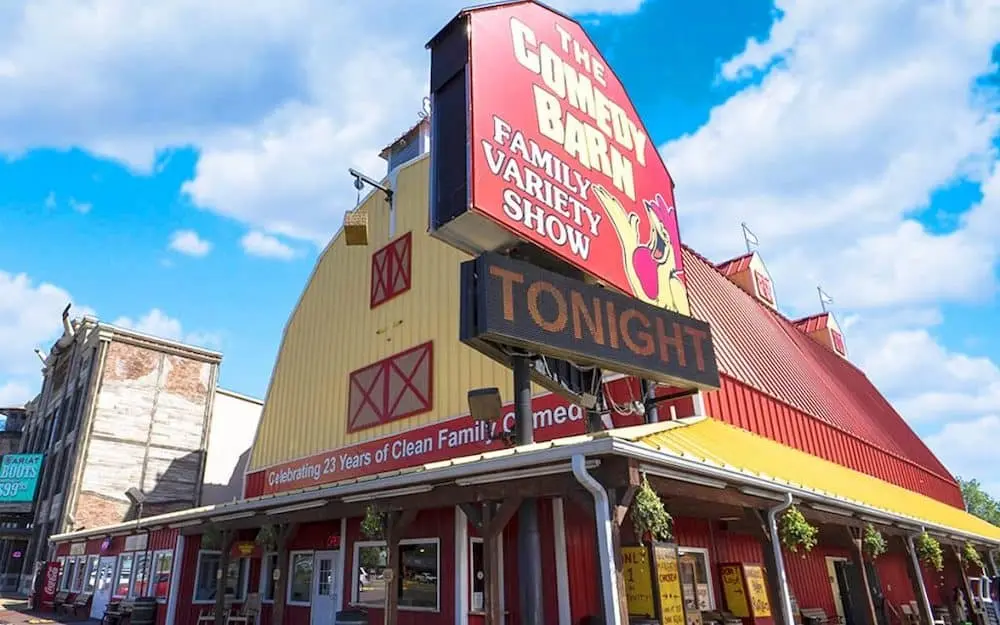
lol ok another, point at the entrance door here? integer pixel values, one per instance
(102, 591)
(326, 587)
(852, 592)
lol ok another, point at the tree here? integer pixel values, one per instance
(978, 502)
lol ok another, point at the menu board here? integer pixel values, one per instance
(638, 582)
(757, 589)
(732, 590)
(745, 589)
(668, 585)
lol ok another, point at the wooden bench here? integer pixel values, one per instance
(59, 600)
(82, 600)
(814, 616)
(116, 613)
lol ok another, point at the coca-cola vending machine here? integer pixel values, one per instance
(49, 585)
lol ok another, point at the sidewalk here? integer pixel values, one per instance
(13, 611)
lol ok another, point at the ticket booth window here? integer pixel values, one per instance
(696, 580)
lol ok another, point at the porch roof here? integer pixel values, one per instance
(714, 444)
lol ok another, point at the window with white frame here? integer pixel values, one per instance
(206, 581)
(266, 587)
(123, 575)
(140, 576)
(90, 578)
(419, 564)
(477, 575)
(300, 576)
(163, 562)
(78, 577)
(696, 578)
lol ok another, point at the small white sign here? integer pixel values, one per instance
(77, 549)
(136, 543)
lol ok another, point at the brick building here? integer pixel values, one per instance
(117, 410)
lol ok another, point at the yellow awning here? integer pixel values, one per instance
(716, 443)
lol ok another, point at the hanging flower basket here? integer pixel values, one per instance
(873, 543)
(373, 523)
(929, 551)
(267, 538)
(797, 533)
(212, 538)
(650, 519)
(971, 556)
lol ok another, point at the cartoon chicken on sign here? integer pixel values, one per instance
(650, 266)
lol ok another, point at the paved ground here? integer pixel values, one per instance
(14, 611)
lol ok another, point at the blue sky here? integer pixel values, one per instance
(180, 171)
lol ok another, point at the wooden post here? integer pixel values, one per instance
(396, 524)
(227, 538)
(858, 558)
(757, 520)
(972, 605)
(495, 518)
(621, 500)
(917, 582)
(286, 532)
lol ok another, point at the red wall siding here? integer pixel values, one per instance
(581, 558)
(752, 410)
(892, 573)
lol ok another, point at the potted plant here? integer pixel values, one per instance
(650, 518)
(971, 556)
(373, 523)
(797, 533)
(929, 551)
(873, 543)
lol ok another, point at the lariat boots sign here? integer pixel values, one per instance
(536, 145)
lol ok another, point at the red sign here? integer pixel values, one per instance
(333, 541)
(51, 584)
(561, 159)
(554, 417)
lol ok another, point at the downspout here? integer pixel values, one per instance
(602, 515)
(779, 560)
(912, 549)
(991, 555)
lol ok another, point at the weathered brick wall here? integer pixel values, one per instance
(148, 432)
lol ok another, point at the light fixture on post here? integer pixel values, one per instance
(763, 494)
(485, 404)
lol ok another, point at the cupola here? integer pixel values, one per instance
(824, 329)
(749, 273)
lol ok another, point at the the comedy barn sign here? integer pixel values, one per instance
(511, 302)
(556, 152)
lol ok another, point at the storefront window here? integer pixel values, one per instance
(695, 579)
(205, 585)
(90, 579)
(418, 564)
(163, 562)
(267, 577)
(140, 579)
(300, 577)
(81, 565)
(124, 575)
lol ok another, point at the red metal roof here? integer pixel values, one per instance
(735, 265)
(761, 348)
(812, 323)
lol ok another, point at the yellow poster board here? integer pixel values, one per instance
(638, 582)
(668, 585)
(757, 588)
(732, 590)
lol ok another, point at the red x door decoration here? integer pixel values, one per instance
(394, 388)
(391, 270)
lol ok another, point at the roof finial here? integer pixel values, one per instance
(824, 299)
(749, 238)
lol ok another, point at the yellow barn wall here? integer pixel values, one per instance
(332, 332)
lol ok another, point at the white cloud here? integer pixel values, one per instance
(81, 207)
(14, 394)
(967, 447)
(188, 242)
(281, 98)
(863, 110)
(259, 244)
(159, 324)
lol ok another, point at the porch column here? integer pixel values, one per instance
(396, 524)
(973, 605)
(226, 539)
(620, 500)
(286, 532)
(858, 560)
(490, 520)
(917, 581)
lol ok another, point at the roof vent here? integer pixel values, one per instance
(749, 273)
(824, 329)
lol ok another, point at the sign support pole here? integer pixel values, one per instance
(529, 544)
(651, 414)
